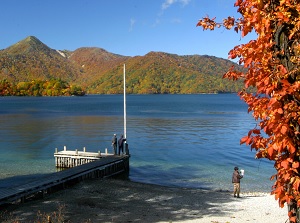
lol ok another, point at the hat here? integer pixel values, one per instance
(115, 134)
(236, 168)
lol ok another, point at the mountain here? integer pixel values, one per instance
(94, 62)
(99, 71)
(164, 73)
(31, 59)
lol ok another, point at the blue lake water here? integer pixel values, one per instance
(174, 140)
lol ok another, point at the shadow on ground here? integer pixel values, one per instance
(115, 200)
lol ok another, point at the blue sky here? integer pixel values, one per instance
(125, 27)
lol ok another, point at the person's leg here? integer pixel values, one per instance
(238, 190)
(234, 189)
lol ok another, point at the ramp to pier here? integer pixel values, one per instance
(21, 189)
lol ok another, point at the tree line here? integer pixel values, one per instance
(53, 87)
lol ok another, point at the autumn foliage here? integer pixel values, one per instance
(39, 88)
(272, 62)
(101, 72)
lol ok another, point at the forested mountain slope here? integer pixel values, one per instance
(31, 59)
(101, 72)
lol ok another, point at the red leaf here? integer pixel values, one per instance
(282, 69)
(292, 219)
(296, 184)
(244, 139)
(285, 83)
(291, 148)
(270, 151)
(285, 164)
(256, 131)
(295, 165)
(280, 111)
(283, 129)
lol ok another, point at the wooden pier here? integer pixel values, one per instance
(70, 158)
(103, 166)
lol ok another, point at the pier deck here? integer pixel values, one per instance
(20, 190)
(70, 158)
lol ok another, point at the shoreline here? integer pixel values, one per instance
(113, 200)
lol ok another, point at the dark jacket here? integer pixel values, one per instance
(236, 177)
(121, 140)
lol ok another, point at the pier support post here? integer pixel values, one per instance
(126, 149)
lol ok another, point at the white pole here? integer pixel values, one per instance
(124, 104)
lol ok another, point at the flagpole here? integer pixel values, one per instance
(125, 136)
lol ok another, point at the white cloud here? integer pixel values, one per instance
(185, 2)
(168, 3)
(132, 22)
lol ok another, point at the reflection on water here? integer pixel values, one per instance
(174, 140)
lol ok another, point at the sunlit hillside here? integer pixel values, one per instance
(98, 71)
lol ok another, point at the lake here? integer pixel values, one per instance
(174, 140)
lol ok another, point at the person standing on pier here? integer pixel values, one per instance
(114, 143)
(121, 143)
(236, 177)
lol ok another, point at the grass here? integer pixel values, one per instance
(53, 217)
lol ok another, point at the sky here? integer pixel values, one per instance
(125, 27)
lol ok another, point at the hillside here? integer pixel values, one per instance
(31, 59)
(163, 73)
(94, 62)
(101, 72)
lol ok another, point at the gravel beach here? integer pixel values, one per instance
(113, 200)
